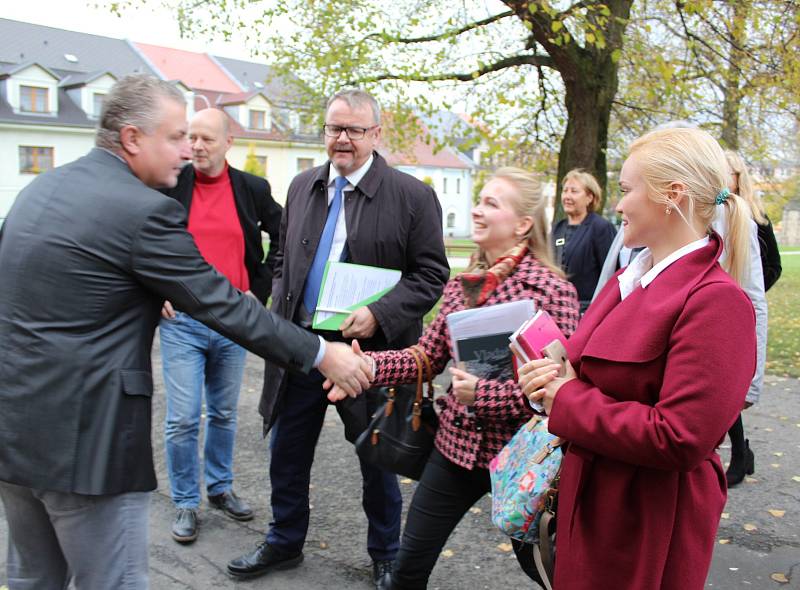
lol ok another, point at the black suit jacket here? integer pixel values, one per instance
(583, 255)
(88, 254)
(393, 221)
(257, 212)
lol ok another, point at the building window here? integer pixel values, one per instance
(262, 165)
(258, 119)
(451, 220)
(33, 99)
(458, 186)
(97, 103)
(34, 159)
(304, 164)
(444, 186)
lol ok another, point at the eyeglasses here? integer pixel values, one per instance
(351, 132)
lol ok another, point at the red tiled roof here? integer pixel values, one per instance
(196, 70)
(421, 154)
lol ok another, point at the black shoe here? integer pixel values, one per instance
(184, 529)
(264, 559)
(741, 464)
(382, 574)
(232, 505)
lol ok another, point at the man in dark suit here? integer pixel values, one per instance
(227, 211)
(88, 254)
(357, 209)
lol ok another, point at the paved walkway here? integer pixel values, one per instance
(754, 543)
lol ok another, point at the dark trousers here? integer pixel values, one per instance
(294, 439)
(444, 494)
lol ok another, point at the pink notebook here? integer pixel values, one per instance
(532, 336)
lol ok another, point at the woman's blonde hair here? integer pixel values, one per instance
(693, 158)
(744, 186)
(589, 184)
(531, 203)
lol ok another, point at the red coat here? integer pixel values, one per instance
(472, 440)
(662, 376)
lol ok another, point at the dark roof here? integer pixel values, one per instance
(73, 80)
(24, 42)
(11, 69)
(69, 114)
(277, 89)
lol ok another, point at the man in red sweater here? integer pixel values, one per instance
(227, 211)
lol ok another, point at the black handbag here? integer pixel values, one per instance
(400, 435)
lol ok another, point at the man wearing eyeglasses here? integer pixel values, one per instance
(353, 208)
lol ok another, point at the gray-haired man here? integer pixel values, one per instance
(88, 254)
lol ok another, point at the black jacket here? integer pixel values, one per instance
(88, 254)
(257, 212)
(770, 255)
(583, 255)
(393, 221)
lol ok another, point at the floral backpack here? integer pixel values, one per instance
(524, 490)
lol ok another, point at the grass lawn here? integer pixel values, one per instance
(783, 346)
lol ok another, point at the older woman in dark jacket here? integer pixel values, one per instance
(581, 240)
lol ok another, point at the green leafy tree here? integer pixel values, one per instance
(251, 163)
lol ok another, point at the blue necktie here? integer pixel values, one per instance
(314, 279)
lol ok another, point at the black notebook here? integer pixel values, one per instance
(487, 357)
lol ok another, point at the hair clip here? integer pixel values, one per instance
(722, 196)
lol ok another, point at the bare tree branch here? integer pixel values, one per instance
(446, 35)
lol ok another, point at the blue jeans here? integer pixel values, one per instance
(197, 359)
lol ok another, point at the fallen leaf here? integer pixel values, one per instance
(775, 465)
(734, 569)
(447, 553)
(778, 454)
(724, 541)
(768, 429)
(750, 527)
(406, 480)
(750, 480)
(505, 547)
(796, 478)
(781, 578)
(725, 515)
(323, 545)
(475, 510)
(777, 513)
(784, 417)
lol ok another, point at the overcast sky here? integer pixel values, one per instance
(147, 25)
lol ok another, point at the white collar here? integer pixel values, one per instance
(355, 177)
(642, 272)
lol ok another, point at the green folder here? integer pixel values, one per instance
(334, 322)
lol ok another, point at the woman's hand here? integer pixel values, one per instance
(336, 393)
(540, 382)
(464, 385)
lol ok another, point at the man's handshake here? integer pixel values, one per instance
(348, 371)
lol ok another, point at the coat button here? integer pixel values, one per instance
(289, 296)
(457, 422)
(304, 241)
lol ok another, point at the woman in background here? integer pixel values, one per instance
(582, 239)
(742, 458)
(661, 364)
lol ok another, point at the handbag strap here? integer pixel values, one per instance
(416, 411)
(428, 370)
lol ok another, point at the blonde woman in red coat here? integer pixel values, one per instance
(478, 416)
(661, 365)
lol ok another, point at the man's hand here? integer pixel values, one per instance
(359, 324)
(336, 393)
(346, 368)
(167, 312)
(464, 385)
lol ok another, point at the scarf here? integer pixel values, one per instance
(481, 282)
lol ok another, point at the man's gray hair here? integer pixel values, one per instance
(357, 99)
(133, 100)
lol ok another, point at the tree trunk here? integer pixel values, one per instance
(732, 93)
(589, 95)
